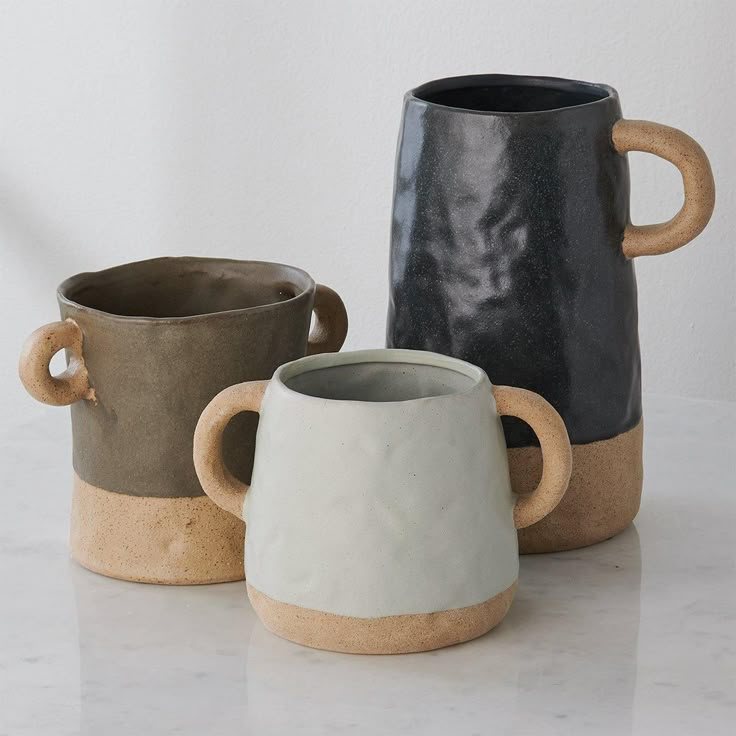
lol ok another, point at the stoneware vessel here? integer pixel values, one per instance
(148, 345)
(380, 514)
(512, 248)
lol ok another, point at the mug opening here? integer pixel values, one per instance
(495, 93)
(186, 287)
(379, 376)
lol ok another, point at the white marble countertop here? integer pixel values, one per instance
(636, 635)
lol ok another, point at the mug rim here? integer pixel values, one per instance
(80, 278)
(468, 80)
(310, 363)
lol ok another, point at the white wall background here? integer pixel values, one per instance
(267, 130)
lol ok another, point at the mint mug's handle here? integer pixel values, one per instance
(556, 452)
(217, 481)
(331, 324)
(35, 358)
(697, 178)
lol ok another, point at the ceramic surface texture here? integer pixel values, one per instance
(380, 513)
(506, 249)
(402, 634)
(589, 511)
(632, 637)
(177, 541)
(511, 246)
(392, 496)
(148, 345)
(189, 328)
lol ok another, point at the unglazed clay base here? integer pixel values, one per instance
(385, 635)
(175, 541)
(602, 498)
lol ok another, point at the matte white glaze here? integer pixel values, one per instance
(373, 509)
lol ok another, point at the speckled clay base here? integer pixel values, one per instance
(602, 498)
(174, 541)
(384, 635)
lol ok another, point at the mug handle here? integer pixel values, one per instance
(33, 368)
(556, 452)
(331, 322)
(697, 178)
(217, 481)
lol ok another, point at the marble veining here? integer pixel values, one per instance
(633, 636)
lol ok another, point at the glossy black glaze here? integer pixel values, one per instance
(506, 244)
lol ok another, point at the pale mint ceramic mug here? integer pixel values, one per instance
(380, 516)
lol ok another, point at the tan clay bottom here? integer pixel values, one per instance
(601, 501)
(385, 635)
(174, 541)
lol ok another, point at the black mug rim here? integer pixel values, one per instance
(605, 92)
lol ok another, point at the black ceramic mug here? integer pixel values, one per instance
(149, 344)
(512, 249)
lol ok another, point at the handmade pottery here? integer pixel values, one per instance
(148, 345)
(512, 249)
(380, 514)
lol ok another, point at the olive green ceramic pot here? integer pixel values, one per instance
(148, 345)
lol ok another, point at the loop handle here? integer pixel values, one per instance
(331, 324)
(697, 178)
(556, 452)
(35, 358)
(217, 481)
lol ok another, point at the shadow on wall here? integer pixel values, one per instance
(26, 223)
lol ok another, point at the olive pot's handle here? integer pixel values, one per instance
(331, 323)
(556, 452)
(217, 481)
(33, 368)
(697, 179)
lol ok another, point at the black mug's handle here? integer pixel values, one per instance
(697, 178)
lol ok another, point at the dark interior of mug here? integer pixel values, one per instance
(184, 287)
(380, 381)
(491, 93)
